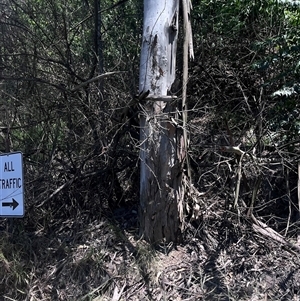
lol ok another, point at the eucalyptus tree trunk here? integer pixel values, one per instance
(162, 149)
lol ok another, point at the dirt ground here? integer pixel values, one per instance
(88, 258)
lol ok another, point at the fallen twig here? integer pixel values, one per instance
(265, 230)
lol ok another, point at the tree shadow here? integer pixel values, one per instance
(217, 242)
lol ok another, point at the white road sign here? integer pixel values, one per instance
(11, 185)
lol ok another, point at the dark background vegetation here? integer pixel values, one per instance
(78, 240)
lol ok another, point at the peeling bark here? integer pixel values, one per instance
(161, 154)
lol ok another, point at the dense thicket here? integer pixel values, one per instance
(79, 138)
(76, 137)
(244, 93)
(80, 135)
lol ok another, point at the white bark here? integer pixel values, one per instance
(158, 55)
(160, 155)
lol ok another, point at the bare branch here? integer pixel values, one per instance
(94, 79)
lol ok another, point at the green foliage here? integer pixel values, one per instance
(280, 55)
(286, 117)
(262, 37)
(48, 48)
(235, 16)
(118, 48)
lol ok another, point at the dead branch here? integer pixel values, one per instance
(94, 79)
(266, 231)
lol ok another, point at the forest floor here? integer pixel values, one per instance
(87, 258)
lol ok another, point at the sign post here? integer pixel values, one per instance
(11, 185)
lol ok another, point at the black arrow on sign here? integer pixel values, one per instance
(14, 204)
